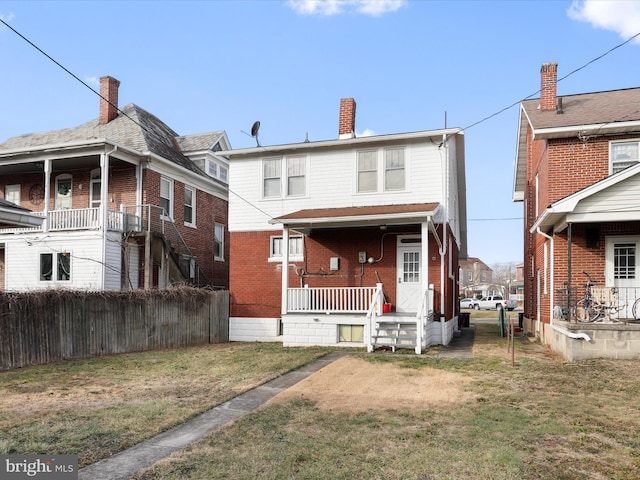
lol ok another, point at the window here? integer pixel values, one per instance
(95, 187)
(63, 192)
(213, 169)
(367, 171)
(61, 270)
(394, 169)
(296, 246)
(623, 155)
(350, 333)
(271, 171)
(166, 197)
(388, 174)
(223, 174)
(189, 206)
(218, 239)
(624, 261)
(12, 194)
(296, 176)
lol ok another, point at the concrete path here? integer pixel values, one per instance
(125, 464)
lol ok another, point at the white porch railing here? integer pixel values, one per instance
(74, 219)
(330, 299)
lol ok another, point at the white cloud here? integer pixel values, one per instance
(7, 17)
(620, 16)
(327, 8)
(92, 81)
(366, 133)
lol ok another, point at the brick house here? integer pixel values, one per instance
(374, 228)
(124, 203)
(578, 176)
(476, 278)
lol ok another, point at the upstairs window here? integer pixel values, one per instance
(189, 206)
(394, 169)
(296, 183)
(271, 171)
(624, 155)
(367, 171)
(218, 242)
(12, 194)
(381, 170)
(166, 197)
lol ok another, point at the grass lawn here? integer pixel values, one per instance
(542, 419)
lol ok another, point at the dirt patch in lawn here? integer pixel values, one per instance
(355, 385)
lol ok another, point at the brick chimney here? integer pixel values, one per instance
(548, 77)
(347, 125)
(109, 101)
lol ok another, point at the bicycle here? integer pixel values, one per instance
(588, 308)
(591, 307)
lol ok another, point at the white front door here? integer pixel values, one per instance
(408, 277)
(621, 272)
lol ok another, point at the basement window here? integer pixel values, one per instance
(351, 333)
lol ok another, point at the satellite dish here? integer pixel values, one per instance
(254, 131)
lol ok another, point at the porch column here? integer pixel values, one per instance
(285, 269)
(424, 267)
(104, 209)
(47, 194)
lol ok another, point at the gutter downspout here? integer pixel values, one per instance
(582, 336)
(445, 220)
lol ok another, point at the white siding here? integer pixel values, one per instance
(113, 251)
(254, 329)
(331, 183)
(22, 260)
(618, 202)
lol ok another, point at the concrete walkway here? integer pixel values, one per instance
(125, 464)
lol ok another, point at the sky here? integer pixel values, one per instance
(204, 66)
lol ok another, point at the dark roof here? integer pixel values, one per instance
(10, 205)
(587, 109)
(359, 211)
(134, 127)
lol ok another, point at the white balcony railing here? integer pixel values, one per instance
(75, 219)
(330, 299)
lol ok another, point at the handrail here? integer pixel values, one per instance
(376, 305)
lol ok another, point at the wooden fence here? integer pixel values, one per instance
(45, 327)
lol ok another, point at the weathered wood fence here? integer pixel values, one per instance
(45, 327)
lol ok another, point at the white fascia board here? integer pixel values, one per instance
(56, 147)
(589, 129)
(340, 143)
(390, 219)
(185, 175)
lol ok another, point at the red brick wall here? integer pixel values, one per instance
(255, 283)
(200, 240)
(563, 167)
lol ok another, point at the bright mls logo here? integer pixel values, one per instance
(49, 467)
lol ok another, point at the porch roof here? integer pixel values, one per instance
(357, 216)
(613, 199)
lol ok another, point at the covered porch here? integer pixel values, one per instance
(367, 278)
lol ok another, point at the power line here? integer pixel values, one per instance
(559, 80)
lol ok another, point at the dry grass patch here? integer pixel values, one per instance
(354, 385)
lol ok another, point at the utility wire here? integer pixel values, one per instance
(559, 80)
(255, 206)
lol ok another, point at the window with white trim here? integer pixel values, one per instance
(271, 172)
(296, 249)
(351, 333)
(394, 169)
(624, 261)
(55, 266)
(166, 197)
(367, 171)
(623, 155)
(381, 170)
(296, 176)
(218, 241)
(189, 206)
(12, 194)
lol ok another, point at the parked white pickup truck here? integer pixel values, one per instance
(494, 302)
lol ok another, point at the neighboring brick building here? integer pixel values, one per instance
(355, 213)
(124, 203)
(578, 176)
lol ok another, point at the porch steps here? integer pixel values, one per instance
(394, 333)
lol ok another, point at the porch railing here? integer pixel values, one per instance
(74, 219)
(330, 299)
